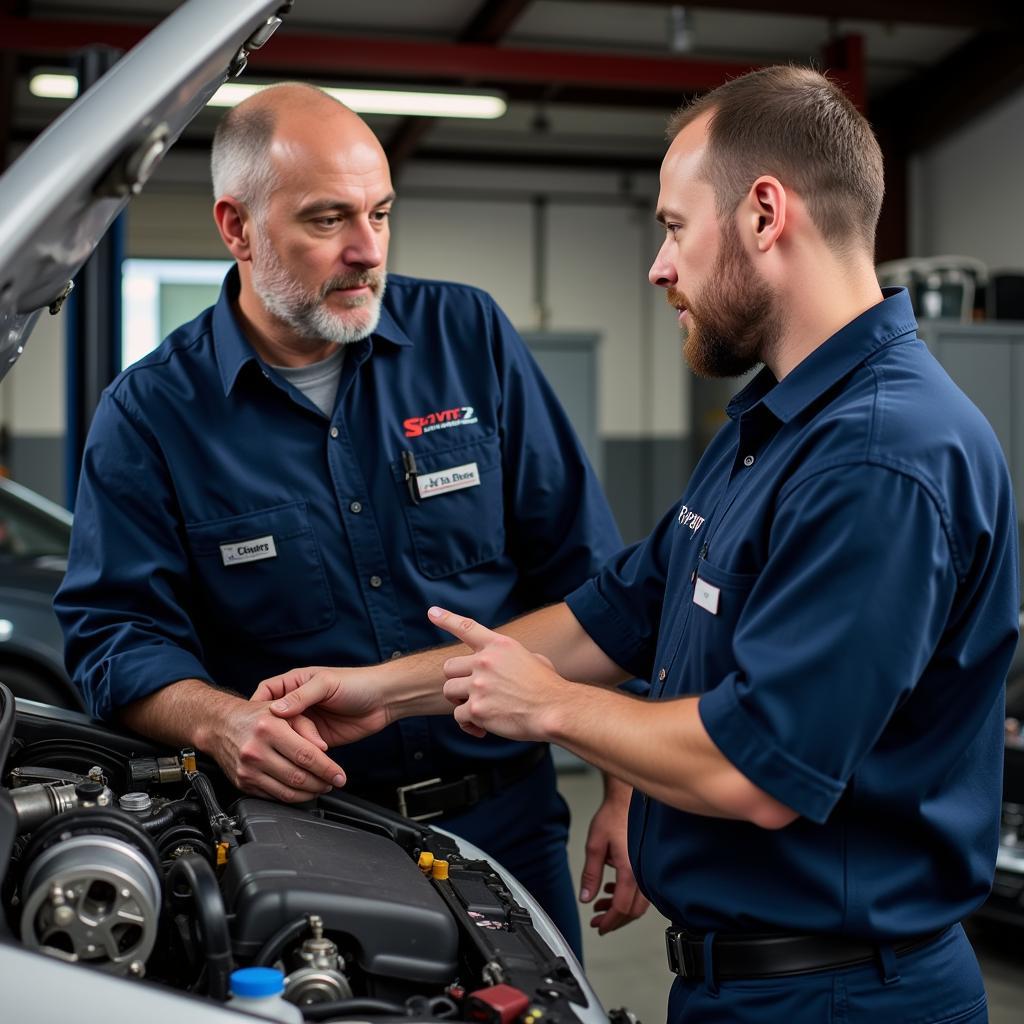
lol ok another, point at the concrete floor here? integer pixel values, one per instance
(627, 967)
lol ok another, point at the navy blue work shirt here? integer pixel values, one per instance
(226, 530)
(839, 585)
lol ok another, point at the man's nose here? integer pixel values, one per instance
(362, 246)
(662, 273)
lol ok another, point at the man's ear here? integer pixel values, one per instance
(235, 226)
(765, 212)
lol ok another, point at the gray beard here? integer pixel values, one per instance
(306, 312)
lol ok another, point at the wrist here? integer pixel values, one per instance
(557, 719)
(409, 687)
(615, 790)
(210, 723)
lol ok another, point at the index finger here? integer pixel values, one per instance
(278, 686)
(301, 752)
(314, 691)
(469, 631)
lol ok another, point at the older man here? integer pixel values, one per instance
(826, 616)
(293, 475)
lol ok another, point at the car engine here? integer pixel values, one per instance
(147, 865)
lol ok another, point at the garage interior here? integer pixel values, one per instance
(549, 207)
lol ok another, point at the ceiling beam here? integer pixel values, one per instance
(925, 110)
(491, 21)
(977, 14)
(521, 158)
(336, 56)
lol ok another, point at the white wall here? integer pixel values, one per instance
(470, 224)
(478, 226)
(32, 393)
(966, 191)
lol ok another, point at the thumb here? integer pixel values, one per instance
(593, 872)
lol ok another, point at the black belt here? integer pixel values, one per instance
(430, 798)
(775, 956)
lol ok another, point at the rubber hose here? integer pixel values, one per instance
(169, 815)
(6, 723)
(211, 918)
(344, 1007)
(271, 950)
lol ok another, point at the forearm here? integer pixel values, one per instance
(413, 684)
(184, 713)
(660, 748)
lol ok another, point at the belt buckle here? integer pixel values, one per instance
(403, 807)
(680, 957)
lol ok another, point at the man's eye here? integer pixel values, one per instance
(327, 222)
(381, 215)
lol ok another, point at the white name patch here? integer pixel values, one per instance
(239, 551)
(445, 480)
(706, 596)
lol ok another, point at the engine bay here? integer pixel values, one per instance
(148, 866)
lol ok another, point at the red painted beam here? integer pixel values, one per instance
(339, 56)
(483, 63)
(844, 61)
(34, 35)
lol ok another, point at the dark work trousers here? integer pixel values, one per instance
(526, 827)
(940, 983)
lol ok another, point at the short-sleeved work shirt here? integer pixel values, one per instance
(226, 529)
(839, 585)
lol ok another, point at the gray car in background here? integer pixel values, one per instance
(34, 536)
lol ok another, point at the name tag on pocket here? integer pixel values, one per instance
(705, 595)
(445, 480)
(239, 551)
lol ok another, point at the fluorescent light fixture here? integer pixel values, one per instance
(54, 87)
(397, 102)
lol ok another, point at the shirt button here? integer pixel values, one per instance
(376, 581)
(395, 654)
(662, 673)
(356, 506)
(334, 431)
(418, 756)
(749, 460)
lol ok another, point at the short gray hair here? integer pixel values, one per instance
(240, 161)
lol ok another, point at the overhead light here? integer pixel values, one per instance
(401, 103)
(681, 35)
(54, 87)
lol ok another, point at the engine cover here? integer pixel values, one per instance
(291, 864)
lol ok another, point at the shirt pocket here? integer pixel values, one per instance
(707, 648)
(458, 529)
(278, 596)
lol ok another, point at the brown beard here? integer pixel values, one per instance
(733, 323)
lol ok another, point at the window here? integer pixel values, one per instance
(159, 295)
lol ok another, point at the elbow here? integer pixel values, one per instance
(753, 804)
(773, 816)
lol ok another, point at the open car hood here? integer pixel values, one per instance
(58, 199)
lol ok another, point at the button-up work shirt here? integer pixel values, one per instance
(839, 585)
(226, 530)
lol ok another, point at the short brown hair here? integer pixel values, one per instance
(793, 123)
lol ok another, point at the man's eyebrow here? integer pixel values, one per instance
(663, 215)
(327, 205)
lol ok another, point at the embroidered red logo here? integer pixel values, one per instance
(460, 416)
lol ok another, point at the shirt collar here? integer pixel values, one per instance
(850, 346)
(234, 350)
